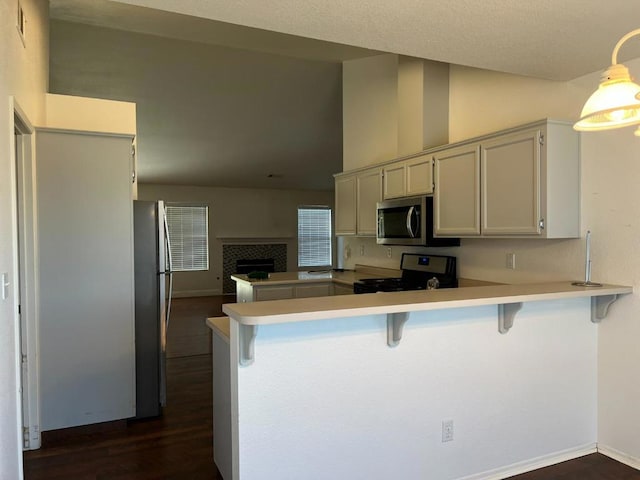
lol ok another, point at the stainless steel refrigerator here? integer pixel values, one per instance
(153, 289)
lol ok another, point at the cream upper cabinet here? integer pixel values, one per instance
(394, 181)
(524, 182)
(456, 200)
(368, 194)
(409, 177)
(510, 191)
(345, 214)
(419, 175)
(356, 198)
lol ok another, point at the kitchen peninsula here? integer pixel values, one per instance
(285, 285)
(288, 285)
(359, 386)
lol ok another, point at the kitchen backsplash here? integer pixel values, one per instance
(482, 259)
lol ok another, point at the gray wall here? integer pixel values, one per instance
(210, 115)
(236, 216)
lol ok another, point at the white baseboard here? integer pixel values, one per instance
(196, 293)
(617, 455)
(534, 463)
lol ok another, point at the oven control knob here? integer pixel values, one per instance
(433, 283)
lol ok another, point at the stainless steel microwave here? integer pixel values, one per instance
(409, 221)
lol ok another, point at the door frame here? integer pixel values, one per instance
(26, 265)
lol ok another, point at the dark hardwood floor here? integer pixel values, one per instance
(590, 467)
(188, 335)
(178, 445)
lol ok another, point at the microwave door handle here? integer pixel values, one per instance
(410, 213)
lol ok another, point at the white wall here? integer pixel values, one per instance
(392, 106)
(410, 105)
(610, 209)
(90, 114)
(23, 74)
(517, 400)
(611, 203)
(238, 215)
(369, 110)
(483, 101)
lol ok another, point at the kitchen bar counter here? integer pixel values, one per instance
(398, 305)
(308, 309)
(295, 372)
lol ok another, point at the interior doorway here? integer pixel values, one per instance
(27, 279)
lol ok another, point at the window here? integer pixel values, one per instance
(314, 236)
(189, 237)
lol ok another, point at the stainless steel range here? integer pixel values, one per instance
(419, 272)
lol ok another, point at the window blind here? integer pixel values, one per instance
(188, 237)
(314, 236)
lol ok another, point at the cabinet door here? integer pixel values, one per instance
(419, 176)
(369, 188)
(394, 177)
(456, 201)
(317, 290)
(346, 205)
(273, 293)
(339, 289)
(511, 184)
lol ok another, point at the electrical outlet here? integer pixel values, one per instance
(361, 250)
(389, 252)
(447, 431)
(511, 261)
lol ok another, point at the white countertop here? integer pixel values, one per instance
(319, 308)
(279, 278)
(347, 277)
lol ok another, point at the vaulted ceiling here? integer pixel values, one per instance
(549, 39)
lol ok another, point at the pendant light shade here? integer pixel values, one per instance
(616, 103)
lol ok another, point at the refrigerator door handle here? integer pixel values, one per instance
(170, 267)
(163, 339)
(166, 273)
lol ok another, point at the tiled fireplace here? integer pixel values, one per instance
(231, 253)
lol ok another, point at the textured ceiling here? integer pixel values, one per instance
(105, 13)
(554, 39)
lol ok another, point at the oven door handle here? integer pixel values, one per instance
(410, 214)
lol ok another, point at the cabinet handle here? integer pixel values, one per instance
(133, 163)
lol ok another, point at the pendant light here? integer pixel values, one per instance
(616, 103)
